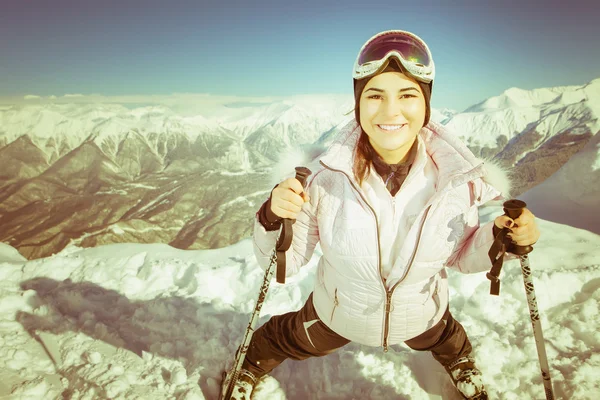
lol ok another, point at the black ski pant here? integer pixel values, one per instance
(301, 334)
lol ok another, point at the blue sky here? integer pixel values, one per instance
(281, 48)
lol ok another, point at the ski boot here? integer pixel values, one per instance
(242, 387)
(467, 378)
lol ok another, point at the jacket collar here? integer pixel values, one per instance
(455, 162)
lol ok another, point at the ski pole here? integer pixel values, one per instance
(513, 209)
(283, 244)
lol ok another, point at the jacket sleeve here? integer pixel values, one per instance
(471, 254)
(305, 237)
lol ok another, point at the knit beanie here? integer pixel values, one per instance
(359, 86)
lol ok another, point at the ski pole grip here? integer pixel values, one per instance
(513, 209)
(302, 173)
(285, 238)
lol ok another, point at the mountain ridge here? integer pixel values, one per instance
(98, 174)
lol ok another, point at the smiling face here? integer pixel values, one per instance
(392, 112)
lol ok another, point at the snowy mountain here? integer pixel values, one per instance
(57, 129)
(532, 133)
(140, 321)
(442, 115)
(105, 173)
(101, 173)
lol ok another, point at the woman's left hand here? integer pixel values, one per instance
(524, 230)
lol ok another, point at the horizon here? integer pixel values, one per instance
(209, 105)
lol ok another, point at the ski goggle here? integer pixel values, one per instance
(407, 47)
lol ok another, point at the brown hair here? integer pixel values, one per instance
(364, 151)
(362, 158)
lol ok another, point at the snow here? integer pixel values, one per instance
(161, 199)
(296, 120)
(246, 199)
(143, 186)
(74, 121)
(134, 321)
(550, 111)
(483, 127)
(235, 173)
(515, 97)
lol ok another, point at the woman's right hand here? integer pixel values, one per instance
(287, 198)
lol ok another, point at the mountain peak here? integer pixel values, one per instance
(515, 97)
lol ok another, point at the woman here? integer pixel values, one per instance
(395, 202)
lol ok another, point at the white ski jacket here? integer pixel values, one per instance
(381, 279)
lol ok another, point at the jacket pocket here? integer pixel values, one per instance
(335, 304)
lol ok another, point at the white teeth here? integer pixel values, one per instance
(390, 127)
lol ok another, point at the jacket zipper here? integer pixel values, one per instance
(335, 304)
(436, 298)
(388, 310)
(388, 306)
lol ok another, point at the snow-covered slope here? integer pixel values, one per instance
(572, 194)
(152, 322)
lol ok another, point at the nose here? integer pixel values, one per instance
(392, 107)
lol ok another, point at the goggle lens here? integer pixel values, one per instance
(409, 47)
